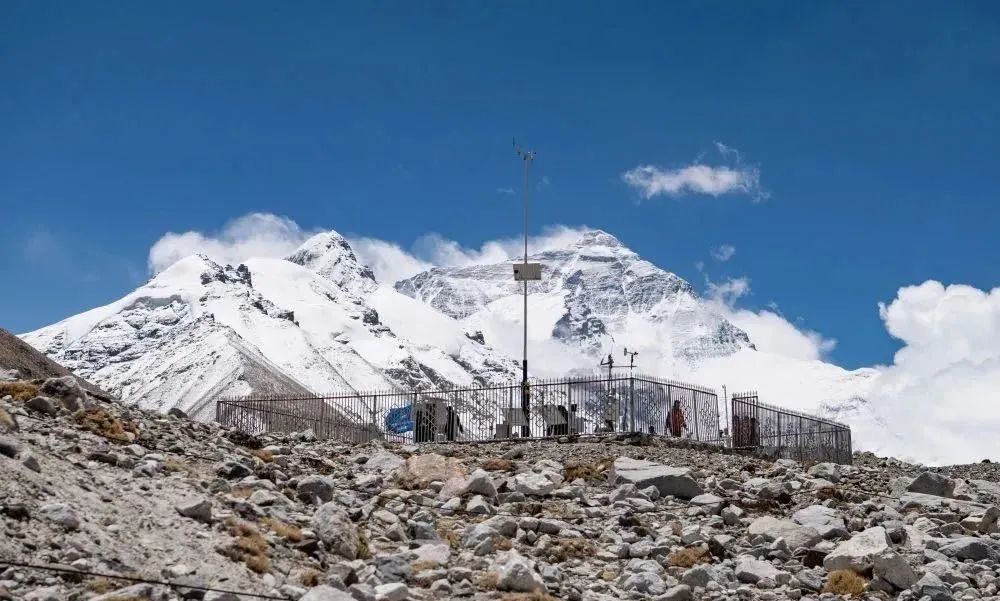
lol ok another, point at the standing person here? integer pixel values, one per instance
(677, 422)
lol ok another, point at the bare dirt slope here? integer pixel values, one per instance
(16, 354)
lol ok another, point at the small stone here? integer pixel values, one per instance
(394, 591)
(681, 592)
(892, 568)
(532, 484)
(9, 446)
(826, 471)
(67, 390)
(199, 510)
(518, 574)
(668, 480)
(232, 469)
(61, 514)
(43, 405)
(752, 570)
(795, 535)
(326, 593)
(859, 552)
(932, 587)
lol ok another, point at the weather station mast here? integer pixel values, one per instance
(526, 272)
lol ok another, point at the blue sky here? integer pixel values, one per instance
(873, 126)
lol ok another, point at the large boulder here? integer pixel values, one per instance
(314, 489)
(859, 552)
(67, 390)
(932, 483)
(826, 471)
(825, 520)
(674, 481)
(384, 462)
(333, 526)
(970, 547)
(795, 535)
(532, 484)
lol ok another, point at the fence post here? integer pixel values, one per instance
(631, 401)
(694, 405)
(779, 436)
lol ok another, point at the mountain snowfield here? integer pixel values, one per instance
(319, 321)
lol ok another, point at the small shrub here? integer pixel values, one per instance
(364, 549)
(173, 465)
(289, 532)
(100, 585)
(588, 471)
(101, 422)
(248, 546)
(569, 548)
(265, 456)
(503, 544)
(310, 577)
(241, 492)
(486, 580)
(845, 582)
(497, 464)
(20, 390)
(689, 557)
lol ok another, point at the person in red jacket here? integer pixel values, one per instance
(676, 418)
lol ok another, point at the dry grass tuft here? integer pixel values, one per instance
(241, 492)
(423, 564)
(20, 390)
(265, 456)
(845, 582)
(364, 548)
(289, 532)
(310, 577)
(533, 596)
(405, 480)
(248, 546)
(690, 557)
(100, 585)
(497, 464)
(101, 422)
(486, 580)
(588, 471)
(562, 549)
(173, 465)
(446, 530)
(503, 544)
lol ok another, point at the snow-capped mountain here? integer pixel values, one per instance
(315, 322)
(593, 292)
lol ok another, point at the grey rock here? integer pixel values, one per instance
(699, 576)
(731, 515)
(67, 390)
(826, 521)
(533, 484)
(326, 593)
(384, 462)
(795, 535)
(60, 514)
(333, 526)
(752, 570)
(826, 471)
(481, 538)
(988, 521)
(709, 502)
(681, 592)
(668, 480)
(136, 591)
(9, 446)
(931, 586)
(518, 574)
(892, 568)
(199, 510)
(859, 552)
(232, 469)
(31, 462)
(932, 483)
(43, 405)
(973, 548)
(394, 591)
(646, 583)
(314, 489)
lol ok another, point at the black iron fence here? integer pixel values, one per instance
(557, 407)
(784, 434)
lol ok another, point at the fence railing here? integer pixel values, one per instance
(556, 407)
(785, 434)
(545, 408)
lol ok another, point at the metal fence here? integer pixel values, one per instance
(779, 433)
(557, 407)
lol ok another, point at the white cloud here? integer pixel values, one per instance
(508, 191)
(698, 178)
(252, 235)
(388, 260)
(769, 330)
(942, 387)
(724, 252)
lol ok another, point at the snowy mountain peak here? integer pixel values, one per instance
(599, 238)
(331, 256)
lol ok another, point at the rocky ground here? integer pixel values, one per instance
(90, 487)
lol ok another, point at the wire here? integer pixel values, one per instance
(206, 589)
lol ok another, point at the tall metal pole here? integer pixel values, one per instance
(527, 156)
